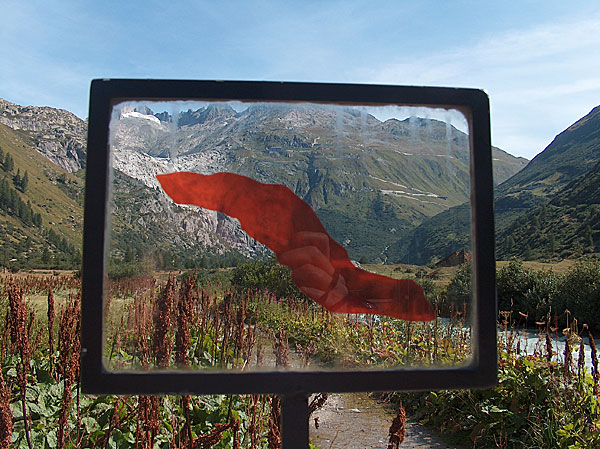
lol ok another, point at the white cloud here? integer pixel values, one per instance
(539, 80)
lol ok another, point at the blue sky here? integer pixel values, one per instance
(538, 61)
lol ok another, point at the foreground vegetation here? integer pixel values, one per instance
(252, 317)
(547, 399)
(41, 405)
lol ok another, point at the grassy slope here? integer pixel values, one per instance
(572, 153)
(59, 203)
(568, 225)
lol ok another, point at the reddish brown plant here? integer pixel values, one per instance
(148, 421)
(184, 319)
(274, 434)
(252, 428)
(548, 346)
(568, 356)
(68, 361)
(20, 340)
(397, 429)
(317, 402)
(51, 326)
(162, 340)
(6, 416)
(595, 374)
(581, 359)
(281, 349)
(211, 438)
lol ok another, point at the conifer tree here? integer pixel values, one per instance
(9, 163)
(17, 178)
(587, 236)
(552, 243)
(24, 181)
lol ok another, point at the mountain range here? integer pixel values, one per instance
(369, 181)
(389, 191)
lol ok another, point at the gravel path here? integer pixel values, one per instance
(357, 421)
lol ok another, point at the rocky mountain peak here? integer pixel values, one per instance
(57, 134)
(210, 113)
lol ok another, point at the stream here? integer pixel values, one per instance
(530, 343)
(359, 421)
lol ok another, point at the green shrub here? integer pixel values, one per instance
(259, 276)
(534, 293)
(580, 292)
(535, 404)
(511, 284)
(460, 290)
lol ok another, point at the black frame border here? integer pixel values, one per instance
(474, 103)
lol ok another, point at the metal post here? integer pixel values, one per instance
(294, 421)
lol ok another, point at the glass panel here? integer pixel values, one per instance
(261, 236)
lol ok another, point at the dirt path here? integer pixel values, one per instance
(357, 421)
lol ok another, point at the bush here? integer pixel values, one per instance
(534, 405)
(460, 290)
(511, 284)
(271, 276)
(542, 298)
(530, 292)
(580, 292)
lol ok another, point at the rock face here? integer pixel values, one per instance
(147, 220)
(56, 133)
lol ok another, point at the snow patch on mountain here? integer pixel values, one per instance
(135, 114)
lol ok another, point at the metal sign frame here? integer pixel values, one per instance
(292, 386)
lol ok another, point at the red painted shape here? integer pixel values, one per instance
(321, 268)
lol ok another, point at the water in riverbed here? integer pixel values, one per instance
(531, 343)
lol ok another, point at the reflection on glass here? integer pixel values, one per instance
(268, 235)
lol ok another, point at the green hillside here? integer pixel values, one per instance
(41, 221)
(571, 154)
(568, 225)
(435, 238)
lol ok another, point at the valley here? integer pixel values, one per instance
(370, 182)
(395, 199)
